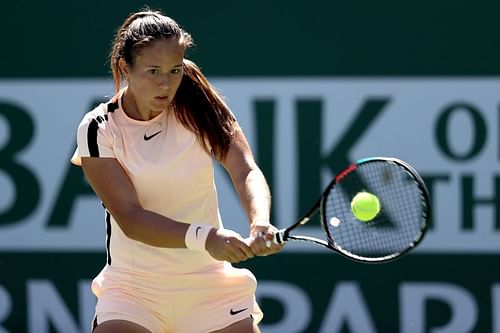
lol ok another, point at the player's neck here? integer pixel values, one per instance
(132, 109)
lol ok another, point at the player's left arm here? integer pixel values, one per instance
(253, 191)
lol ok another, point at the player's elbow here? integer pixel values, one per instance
(127, 217)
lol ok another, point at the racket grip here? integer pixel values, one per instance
(279, 237)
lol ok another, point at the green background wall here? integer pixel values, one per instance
(265, 38)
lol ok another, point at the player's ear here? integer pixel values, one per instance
(123, 67)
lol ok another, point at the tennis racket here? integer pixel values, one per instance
(399, 226)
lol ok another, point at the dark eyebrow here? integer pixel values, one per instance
(156, 66)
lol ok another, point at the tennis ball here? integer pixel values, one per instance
(365, 206)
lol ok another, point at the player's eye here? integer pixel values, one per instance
(175, 71)
(154, 71)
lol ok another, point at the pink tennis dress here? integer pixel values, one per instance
(163, 289)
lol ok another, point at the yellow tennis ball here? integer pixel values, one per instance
(365, 206)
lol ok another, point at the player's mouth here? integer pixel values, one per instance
(161, 98)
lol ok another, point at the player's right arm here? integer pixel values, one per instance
(113, 186)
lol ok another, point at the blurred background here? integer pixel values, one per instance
(315, 85)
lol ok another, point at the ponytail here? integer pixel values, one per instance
(201, 109)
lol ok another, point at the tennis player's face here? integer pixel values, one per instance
(154, 77)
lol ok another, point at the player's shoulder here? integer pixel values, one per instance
(103, 110)
(99, 116)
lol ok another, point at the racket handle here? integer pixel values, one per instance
(279, 237)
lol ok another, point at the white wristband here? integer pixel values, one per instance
(196, 236)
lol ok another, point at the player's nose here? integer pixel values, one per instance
(164, 82)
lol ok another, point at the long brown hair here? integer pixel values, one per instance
(197, 104)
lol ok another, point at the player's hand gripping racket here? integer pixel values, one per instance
(397, 228)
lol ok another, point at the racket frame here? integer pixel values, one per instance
(283, 235)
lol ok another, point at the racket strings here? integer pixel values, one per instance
(394, 230)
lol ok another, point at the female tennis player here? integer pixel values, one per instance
(148, 153)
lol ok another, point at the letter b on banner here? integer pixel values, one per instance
(26, 187)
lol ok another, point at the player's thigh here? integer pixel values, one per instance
(243, 326)
(122, 326)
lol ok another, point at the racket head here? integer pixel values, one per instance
(401, 223)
